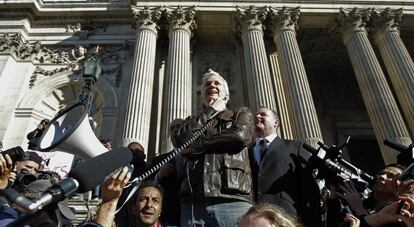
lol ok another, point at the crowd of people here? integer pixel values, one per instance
(237, 172)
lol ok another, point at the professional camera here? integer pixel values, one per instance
(335, 169)
(15, 153)
(24, 178)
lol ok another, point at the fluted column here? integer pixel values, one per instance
(261, 92)
(285, 124)
(300, 103)
(385, 117)
(178, 76)
(138, 106)
(397, 60)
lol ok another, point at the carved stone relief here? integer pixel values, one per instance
(66, 59)
(85, 30)
(16, 45)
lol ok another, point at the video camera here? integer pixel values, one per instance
(24, 178)
(335, 169)
(406, 155)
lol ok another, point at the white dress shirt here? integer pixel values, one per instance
(256, 149)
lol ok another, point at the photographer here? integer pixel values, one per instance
(386, 189)
(26, 169)
(8, 160)
(35, 135)
(31, 163)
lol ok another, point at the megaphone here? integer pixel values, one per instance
(71, 132)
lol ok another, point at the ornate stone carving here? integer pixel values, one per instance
(284, 19)
(85, 30)
(73, 67)
(180, 18)
(15, 44)
(387, 20)
(73, 58)
(147, 18)
(251, 18)
(74, 27)
(354, 20)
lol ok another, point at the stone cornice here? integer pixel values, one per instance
(55, 18)
(306, 6)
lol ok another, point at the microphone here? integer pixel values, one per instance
(82, 178)
(395, 146)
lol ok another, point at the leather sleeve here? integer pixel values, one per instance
(229, 140)
(183, 132)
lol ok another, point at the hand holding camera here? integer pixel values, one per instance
(8, 159)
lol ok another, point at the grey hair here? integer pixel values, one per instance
(209, 73)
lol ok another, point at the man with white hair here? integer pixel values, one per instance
(216, 188)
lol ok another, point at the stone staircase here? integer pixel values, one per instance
(82, 213)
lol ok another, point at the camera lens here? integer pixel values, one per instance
(15, 153)
(27, 179)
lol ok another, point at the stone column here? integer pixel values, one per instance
(250, 22)
(285, 124)
(138, 106)
(385, 117)
(178, 75)
(300, 103)
(399, 64)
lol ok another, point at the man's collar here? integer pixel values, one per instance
(269, 138)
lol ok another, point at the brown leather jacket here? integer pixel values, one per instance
(217, 162)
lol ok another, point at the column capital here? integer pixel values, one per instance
(285, 19)
(250, 18)
(387, 20)
(181, 19)
(147, 18)
(352, 21)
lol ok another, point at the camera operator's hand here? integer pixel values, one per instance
(6, 167)
(389, 214)
(352, 220)
(352, 197)
(406, 187)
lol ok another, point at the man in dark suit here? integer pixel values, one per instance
(279, 171)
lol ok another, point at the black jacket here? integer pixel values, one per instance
(218, 162)
(283, 179)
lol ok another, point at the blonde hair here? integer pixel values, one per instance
(274, 214)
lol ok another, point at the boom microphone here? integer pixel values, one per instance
(406, 155)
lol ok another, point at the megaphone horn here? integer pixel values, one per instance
(71, 132)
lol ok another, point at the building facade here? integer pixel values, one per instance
(332, 69)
